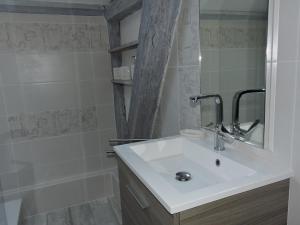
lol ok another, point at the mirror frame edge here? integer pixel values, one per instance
(271, 73)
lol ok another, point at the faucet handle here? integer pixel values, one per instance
(250, 130)
(228, 138)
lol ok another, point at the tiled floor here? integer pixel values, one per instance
(92, 213)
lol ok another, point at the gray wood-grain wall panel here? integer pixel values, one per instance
(159, 19)
(267, 205)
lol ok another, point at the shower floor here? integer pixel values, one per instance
(93, 213)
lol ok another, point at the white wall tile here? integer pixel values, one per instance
(69, 194)
(210, 60)
(95, 188)
(50, 96)
(286, 78)
(6, 159)
(14, 98)
(103, 92)
(4, 131)
(91, 143)
(234, 59)
(87, 95)
(34, 68)
(40, 97)
(27, 174)
(106, 116)
(54, 171)
(130, 27)
(294, 200)
(8, 68)
(169, 107)
(93, 163)
(83, 66)
(23, 154)
(55, 150)
(243, 79)
(288, 32)
(294, 216)
(2, 105)
(9, 180)
(54, 71)
(101, 65)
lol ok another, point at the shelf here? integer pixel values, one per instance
(124, 82)
(130, 45)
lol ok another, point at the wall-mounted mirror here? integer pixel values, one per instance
(233, 41)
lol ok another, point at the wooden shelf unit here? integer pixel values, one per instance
(127, 46)
(124, 82)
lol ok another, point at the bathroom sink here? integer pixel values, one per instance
(161, 164)
(167, 157)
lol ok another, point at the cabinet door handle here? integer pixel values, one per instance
(141, 202)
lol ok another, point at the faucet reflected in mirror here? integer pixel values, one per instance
(233, 45)
(222, 133)
(236, 125)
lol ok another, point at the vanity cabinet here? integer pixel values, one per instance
(139, 206)
(267, 205)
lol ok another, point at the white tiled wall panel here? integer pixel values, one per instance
(56, 110)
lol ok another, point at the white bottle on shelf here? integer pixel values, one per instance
(117, 73)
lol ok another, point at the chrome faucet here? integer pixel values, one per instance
(236, 129)
(222, 135)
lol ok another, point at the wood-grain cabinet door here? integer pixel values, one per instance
(139, 206)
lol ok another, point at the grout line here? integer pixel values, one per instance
(103, 199)
(11, 147)
(81, 176)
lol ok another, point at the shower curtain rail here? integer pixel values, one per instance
(114, 142)
(39, 7)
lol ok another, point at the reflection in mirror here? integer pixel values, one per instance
(233, 40)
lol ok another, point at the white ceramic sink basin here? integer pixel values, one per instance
(156, 163)
(167, 157)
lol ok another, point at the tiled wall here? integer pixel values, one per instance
(182, 80)
(287, 125)
(233, 59)
(56, 110)
(207, 61)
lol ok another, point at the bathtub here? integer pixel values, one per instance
(10, 212)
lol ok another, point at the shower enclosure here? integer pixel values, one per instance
(56, 113)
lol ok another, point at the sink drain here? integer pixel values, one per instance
(183, 176)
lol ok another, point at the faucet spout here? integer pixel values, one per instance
(221, 133)
(195, 100)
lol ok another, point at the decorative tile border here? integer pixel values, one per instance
(233, 34)
(52, 123)
(40, 37)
